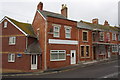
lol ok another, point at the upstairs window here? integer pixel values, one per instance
(11, 57)
(85, 38)
(67, 32)
(5, 24)
(119, 37)
(56, 31)
(113, 36)
(12, 40)
(101, 36)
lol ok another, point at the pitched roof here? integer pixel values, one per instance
(27, 28)
(97, 26)
(51, 14)
(33, 48)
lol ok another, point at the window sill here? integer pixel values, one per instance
(11, 44)
(11, 61)
(58, 60)
(85, 41)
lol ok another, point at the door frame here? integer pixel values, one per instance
(36, 62)
(71, 52)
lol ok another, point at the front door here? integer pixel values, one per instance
(94, 52)
(73, 56)
(109, 54)
(119, 49)
(33, 61)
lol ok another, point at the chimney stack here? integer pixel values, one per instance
(64, 10)
(106, 23)
(40, 6)
(95, 21)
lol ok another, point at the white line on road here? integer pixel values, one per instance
(111, 75)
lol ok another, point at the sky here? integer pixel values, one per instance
(86, 10)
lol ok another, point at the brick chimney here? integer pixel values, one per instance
(106, 23)
(64, 10)
(40, 6)
(95, 21)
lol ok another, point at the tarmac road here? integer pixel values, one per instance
(101, 70)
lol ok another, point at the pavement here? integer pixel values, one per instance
(63, 69)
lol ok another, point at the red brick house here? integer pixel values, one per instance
(104, 39)
(17, 39)
(54, 41)
(58, 37)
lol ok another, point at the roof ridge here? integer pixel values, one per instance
(16, 20)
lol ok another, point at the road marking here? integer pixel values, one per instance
(111, 75)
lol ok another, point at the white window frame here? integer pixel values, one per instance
(83, 36)
(119, 37)
(12, 57)
(113, 48)
(114, 36)
(58, 52)
(12, 40)
(58, 26)
(101, 34)
(5, 24)
(67, 27)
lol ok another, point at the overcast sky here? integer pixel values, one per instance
(24, 10)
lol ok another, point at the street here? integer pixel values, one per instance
(101, 70)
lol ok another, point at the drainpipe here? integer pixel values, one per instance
(78, 48)
(45, 64)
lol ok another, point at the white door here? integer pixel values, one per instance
(109, 54)
(73, 56)
(33, 61)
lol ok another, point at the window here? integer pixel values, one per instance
(12, 40)
(119, 37)
(5, 24)
(113, 36)
(101, 36)
(11, 57)
(87, 51)
(82, 51)
(108, 37)
(67, 32)
(56, 31)
(84, 35)
(57, 55)
(114, 48)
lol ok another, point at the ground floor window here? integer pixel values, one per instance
(115, 48)
(85, 51)
(11, 57)
(57, 55)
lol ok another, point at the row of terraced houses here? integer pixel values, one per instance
(54, 41)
